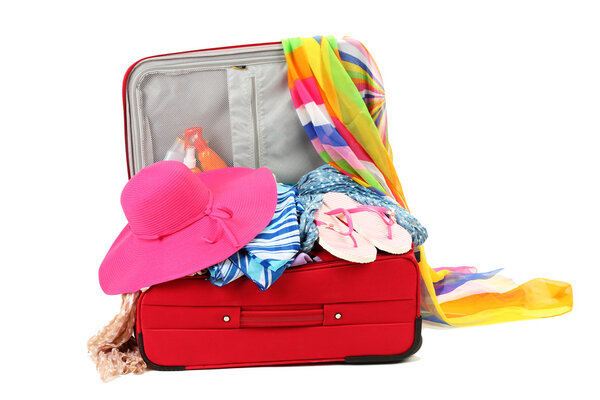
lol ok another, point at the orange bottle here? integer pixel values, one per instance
(208, 158)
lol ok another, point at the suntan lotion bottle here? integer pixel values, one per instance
(190, 157)
(190, 136)
(208, 158)
(176, 151)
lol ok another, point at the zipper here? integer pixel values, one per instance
(318, 265)
(254, 110)
(299, 268)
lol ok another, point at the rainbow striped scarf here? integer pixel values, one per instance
(338, 93)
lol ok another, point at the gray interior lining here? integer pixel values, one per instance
(241, 100)
(284, 145)
(240, 113)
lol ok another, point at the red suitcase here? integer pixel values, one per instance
(328, 311)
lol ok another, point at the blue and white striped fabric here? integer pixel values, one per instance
(224, 272)
(264, 259)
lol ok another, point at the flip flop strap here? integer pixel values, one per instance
(381, 211)
(333, 227)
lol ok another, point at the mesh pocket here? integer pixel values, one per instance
(245, 112)
(170, 103)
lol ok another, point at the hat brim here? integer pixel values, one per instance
(133, 263)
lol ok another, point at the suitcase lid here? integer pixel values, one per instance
(239, 96)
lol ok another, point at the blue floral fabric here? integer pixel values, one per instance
(312, 186)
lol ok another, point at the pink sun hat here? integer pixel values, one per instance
(181, 222)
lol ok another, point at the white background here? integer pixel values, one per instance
(494, 119)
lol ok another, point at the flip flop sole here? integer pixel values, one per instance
(340, 245)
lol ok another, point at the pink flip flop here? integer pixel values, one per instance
(341, 240)
(376, 224)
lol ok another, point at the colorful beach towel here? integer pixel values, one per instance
(338, 93)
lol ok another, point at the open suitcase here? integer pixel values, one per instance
(328, 311)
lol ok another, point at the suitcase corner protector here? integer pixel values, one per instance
(149, 363)
(392, 358)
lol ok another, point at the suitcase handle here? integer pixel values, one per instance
(281, 318)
